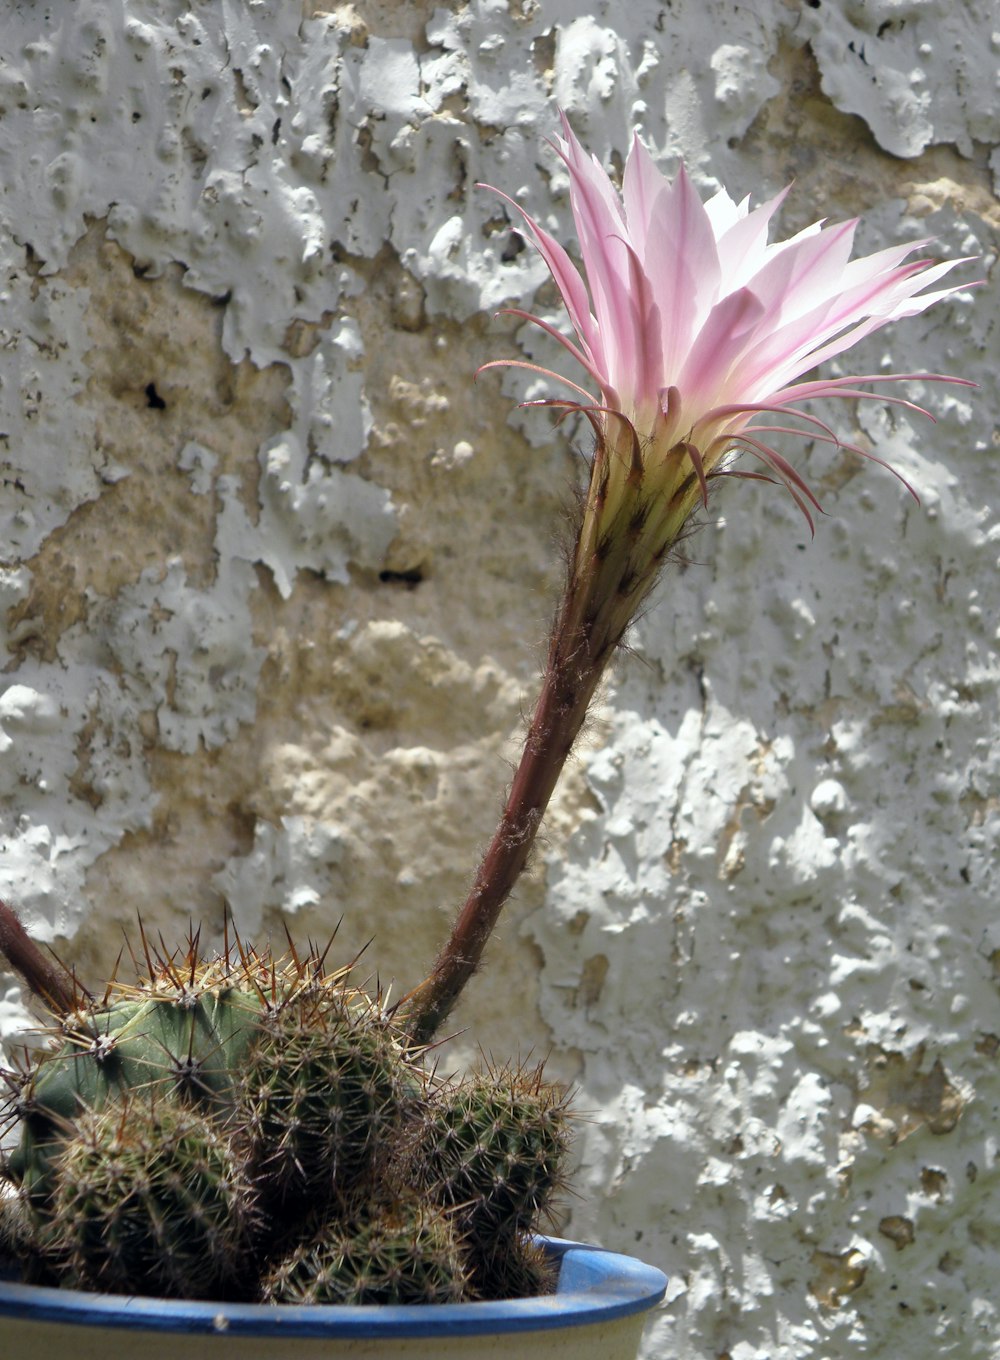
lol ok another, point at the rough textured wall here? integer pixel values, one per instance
(276, 576)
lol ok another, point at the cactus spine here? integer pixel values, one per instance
(321, 1092)
(151, 1045)
(492, 1148)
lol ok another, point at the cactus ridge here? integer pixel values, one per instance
(493, 1147)
(120, 1051)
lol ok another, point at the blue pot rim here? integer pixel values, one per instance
(594, 1286)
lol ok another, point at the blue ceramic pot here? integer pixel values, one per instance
(596, 1313)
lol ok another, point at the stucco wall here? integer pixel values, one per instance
(277, 574)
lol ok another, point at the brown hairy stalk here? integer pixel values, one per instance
(48, 979)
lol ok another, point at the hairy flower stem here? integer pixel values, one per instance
(607, 584)
(49, 981)
(571, 676)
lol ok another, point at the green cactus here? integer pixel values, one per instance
(250, 1127)
(404, 1252)
(493, 1147)
(149, 1197)
(189, 1040)
(514, 1266)
(322, 1090)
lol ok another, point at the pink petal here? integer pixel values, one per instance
(536, 368)
(642, 184)
(828, 332)
(565, 274)
(743, 247)
(646, 361)
(599, 376)
(720, 343)
(682, 264)
(723, 213)
(602, 234)
(805, 275)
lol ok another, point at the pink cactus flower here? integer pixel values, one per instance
(696, 333)
(696, 330)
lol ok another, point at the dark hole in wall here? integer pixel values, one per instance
(411, 578)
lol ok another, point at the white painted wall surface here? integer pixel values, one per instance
(276, 576)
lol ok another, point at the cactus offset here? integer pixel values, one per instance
(493, 1146)
(323, 1088)
(149, 1197)
(403, 1252)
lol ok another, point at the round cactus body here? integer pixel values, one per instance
(144, 1045)
(324, 1085)
(149, 1197)
(403, 1253)
(493, 1147)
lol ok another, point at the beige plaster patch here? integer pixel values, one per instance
(833, 157)
(908, 1098)
(158, 381)
(378, 710)
(836, 1275)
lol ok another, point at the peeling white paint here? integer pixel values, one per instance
(186, 654)
(910, 69)
(287, 868)
(311, 516)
